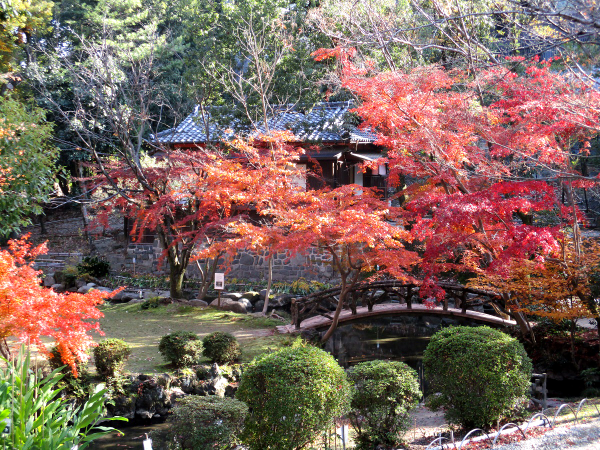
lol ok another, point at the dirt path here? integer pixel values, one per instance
(425, 423)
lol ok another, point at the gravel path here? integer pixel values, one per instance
(579, 437)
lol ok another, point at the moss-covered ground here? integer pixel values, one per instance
(142, 330)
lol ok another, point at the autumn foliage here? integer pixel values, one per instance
(30, 312)
(484, 152)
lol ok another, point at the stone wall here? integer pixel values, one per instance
(250, 266)
(245, 265)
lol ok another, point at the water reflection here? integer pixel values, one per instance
(401, 338)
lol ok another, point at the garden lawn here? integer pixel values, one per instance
(142, 330)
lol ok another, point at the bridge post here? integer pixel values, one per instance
(463, 301)
(409, 297)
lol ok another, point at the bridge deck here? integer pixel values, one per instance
(393, 309)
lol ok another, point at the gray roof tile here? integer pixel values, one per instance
(325, 122)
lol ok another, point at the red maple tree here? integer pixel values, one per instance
(29, 311)
(476, 156)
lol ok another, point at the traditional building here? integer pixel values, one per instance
(329, 132)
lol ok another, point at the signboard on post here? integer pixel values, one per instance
(219, 281)
(219, 285)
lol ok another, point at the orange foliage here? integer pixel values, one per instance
(558, 289)
(29, 311)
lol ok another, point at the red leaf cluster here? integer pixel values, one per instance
(29, 311)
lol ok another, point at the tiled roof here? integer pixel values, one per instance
(325, 122)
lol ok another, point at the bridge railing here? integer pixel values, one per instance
(384, 291)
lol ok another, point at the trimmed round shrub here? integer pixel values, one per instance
(110, 357)
(221, 348)
(384, 394)
(203, 423)
(182, 348)
(479, 374)
(293, 394)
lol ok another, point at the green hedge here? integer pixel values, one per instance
(182, 348)
(293, 394)
(110, 357)
(384, 394)
(221, 348)
(203, 423)
(479, 374)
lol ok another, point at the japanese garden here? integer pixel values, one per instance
(284, 225)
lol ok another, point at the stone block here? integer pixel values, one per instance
(246, 259)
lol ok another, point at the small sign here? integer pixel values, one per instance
(219, 281)
(147, 443)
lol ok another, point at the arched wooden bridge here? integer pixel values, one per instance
(391, 298)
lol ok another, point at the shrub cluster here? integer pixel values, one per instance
(479, 374)
(110, 357)
(293, 395)
(203, 423)
(384, 394)
(182, 348)
(94, 266)
(221, 348)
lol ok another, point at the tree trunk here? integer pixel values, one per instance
(207, 275)
(84, 211)
(336, 315)
(520, 318)
(572, 339)
(269, 283)
(176, 271)
(42, 219)
(5, 349)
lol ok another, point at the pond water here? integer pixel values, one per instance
(132, 437)
(402, 338)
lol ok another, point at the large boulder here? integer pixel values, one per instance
(49, 280)
(232, 295)
(247, 304)
(59, 277)
(283, 301)
(229, 305)
(197, 302)
(58, 287)
(147, 293)
(125, 296)
(259, 305)
(206, 381)
(253, 296)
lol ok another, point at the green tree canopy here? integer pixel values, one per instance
(26, 163)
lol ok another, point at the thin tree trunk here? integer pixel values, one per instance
(519, 318)
(4, 349)
(84, 211)
(336, 315)
(572, 339)
(207, 275)
(269, 283)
